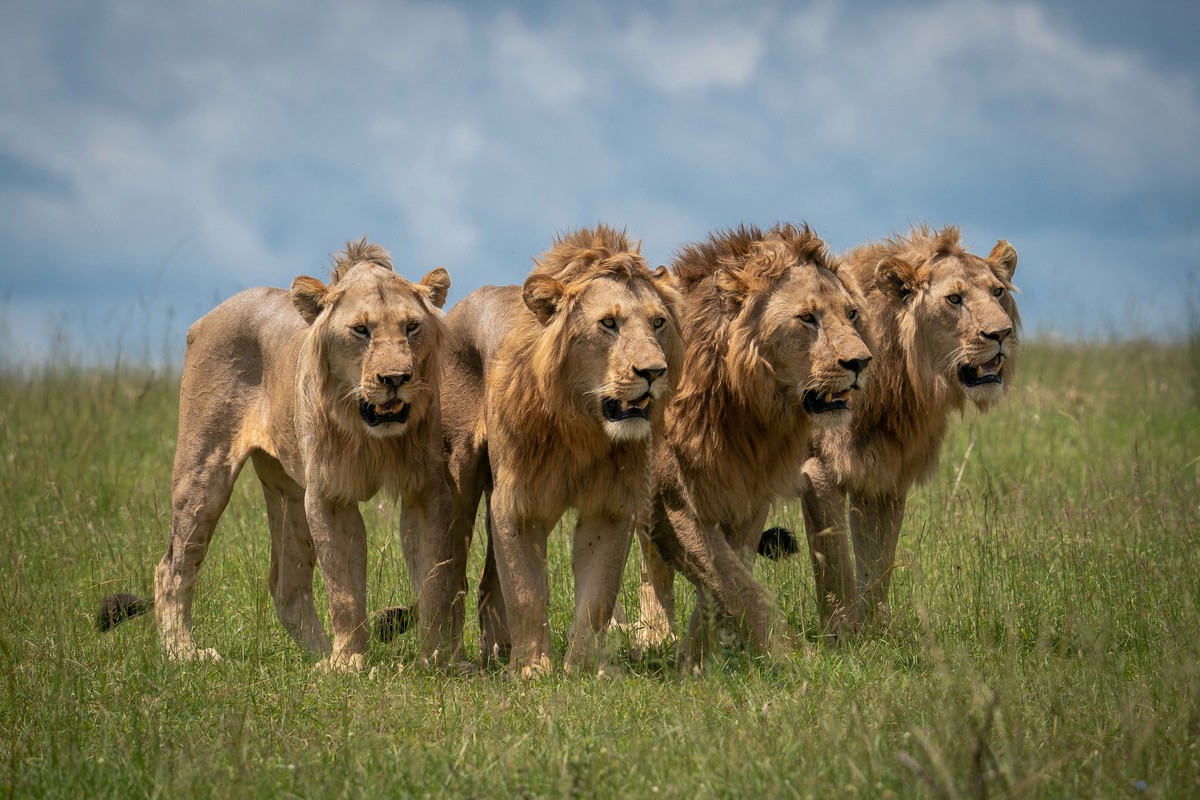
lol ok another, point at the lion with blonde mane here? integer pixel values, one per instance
(773, 350)
(553, 395)
(945, 326)
(332, 391)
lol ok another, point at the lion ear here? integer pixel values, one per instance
(542, 295)
(1004, 256)
(308, 296)
(895, 277)
(438, 284)
(731, 288)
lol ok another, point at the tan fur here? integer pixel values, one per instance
(738, 426)
(523, 398)
(287, 380)
(921, 340)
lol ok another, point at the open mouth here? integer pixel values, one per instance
(391, 411)
(821, 402)
(988, 372)
(615, 410)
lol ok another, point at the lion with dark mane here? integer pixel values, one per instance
(332, 391)
(945, 327)
(773, 351)
(553, 397)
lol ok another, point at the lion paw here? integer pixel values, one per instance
(343, 664)
(193, 653)
(538, 668)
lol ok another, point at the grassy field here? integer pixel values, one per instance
(1046, 640)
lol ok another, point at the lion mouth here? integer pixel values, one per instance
(987, 372)
(392, 411)
(616, 410)
(821, 402)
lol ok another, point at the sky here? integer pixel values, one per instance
(156, 158)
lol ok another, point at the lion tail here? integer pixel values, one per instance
(392, 622)
(776, 543)
(116, 608)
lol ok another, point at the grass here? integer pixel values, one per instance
(1045, 642)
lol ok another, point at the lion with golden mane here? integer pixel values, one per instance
(332, 392)
(552, 396)
(773, 350)
(945, 326)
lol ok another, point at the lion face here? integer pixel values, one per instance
(378, 337)
(809, 336)
(617, 344)
(961, 317)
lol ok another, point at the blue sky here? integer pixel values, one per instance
(155, 158)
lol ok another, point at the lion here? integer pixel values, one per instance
(945, 326)
(553, 398)
(774, 347)
(333, 392)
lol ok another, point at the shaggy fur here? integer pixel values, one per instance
(534, 376)
(934, 310)
(768, 327)
(332, 390)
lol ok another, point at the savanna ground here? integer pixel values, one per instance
(1045, 642)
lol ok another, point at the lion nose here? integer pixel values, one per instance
(997, 336)
(392, 380)
(651, 374)
(855, 365)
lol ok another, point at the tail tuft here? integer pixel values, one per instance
(392, 622)
(777, 543)
(117, 608)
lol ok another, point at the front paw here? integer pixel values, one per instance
(345, 663)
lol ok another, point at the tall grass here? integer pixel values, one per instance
(1045, 638)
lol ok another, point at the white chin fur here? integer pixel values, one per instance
(388, 430)
(986, 395)
(628, 430)
(832, 419)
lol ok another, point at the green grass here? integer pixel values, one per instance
(1045, 640)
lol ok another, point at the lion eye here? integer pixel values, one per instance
(954, 299)
(412, 327)
(659, 322)
(609, 323)
(361, 330)
(852, 314)
(808, 318)
(998, 291)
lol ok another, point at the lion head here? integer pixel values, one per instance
(952, 312)
(770, 320)
(608, 347)
(370, 360)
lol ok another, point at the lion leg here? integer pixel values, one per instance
(824, 504)
(340, 539)
(203, 480)
(599, 552)
(437, 565)
(495, 638)
(520, 553)
(875, 525)
(293, 557)
(656, 598)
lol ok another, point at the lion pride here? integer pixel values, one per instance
(553, 398)
(773, 350)
(945, 328)
(332, 391)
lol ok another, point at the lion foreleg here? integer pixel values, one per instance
(340, 539)
(494, 636)
(824, 504)
(520, 549)
(875, 523)
(293, 559)
(437, 566)
(600, 550)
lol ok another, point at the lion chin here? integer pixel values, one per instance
(828, 409)
(626, 420)
(983, 384)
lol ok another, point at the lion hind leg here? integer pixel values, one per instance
(200, 493)
(293, 558)
(656, 599)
